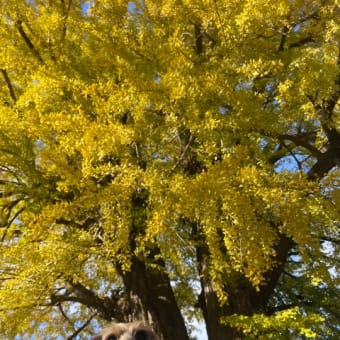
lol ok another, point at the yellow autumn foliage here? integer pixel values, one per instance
(155, 130)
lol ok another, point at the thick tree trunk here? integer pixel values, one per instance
(212, 313)
(147, 280)
(243, 299)
(155, 292)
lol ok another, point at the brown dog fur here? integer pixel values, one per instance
(127, 331)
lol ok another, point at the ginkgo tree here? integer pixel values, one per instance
(170, 161)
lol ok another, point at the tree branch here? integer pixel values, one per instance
(330, 239)
(283, 38)
(302, 140)
(81, 328)
(66, 10)
(107, 308)
(9, 85)
(28, 42)
(182, 154)
(302, 42)
(293, 155)
(198, 39)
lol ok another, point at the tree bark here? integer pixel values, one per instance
(243, 299)
(155, 292)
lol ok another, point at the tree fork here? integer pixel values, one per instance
(243, 299)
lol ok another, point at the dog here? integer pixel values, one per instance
(127, 331)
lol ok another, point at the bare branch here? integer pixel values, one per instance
(62, 312)
(301, 42)
(198, 39)
(301, 140)
(81, 328)
(10, 222)
(290, 275)
(104, 307)
(183, 153)
(283, 38)
(293, 155)
(330, 239)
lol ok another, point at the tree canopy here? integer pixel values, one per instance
(170, 161)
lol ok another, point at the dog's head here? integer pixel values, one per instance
(127, 331)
